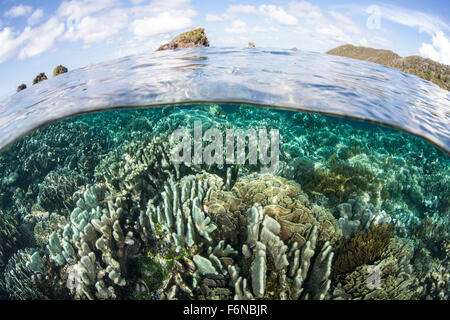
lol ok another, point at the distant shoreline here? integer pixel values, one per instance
(426, 69)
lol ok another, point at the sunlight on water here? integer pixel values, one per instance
(283, 78)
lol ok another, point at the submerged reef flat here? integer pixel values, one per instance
(95, 207)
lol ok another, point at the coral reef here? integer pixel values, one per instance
(285, 202)
(276, 270)
(94, 208)
(341, 181)
(57, 190)
(263, 262)
(70, 149)
(93, 232)
(9, 234)
(362, 249)
(26, 277)
(356, 216)
(397, 279)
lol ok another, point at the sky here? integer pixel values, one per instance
(36, 35)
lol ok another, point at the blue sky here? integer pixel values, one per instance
(37, 35)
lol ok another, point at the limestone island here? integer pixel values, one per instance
(190, 39)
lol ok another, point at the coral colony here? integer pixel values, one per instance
(122, 205)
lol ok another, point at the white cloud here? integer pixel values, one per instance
(258, 29)
(94, 21)
(35, 17)
(271, 11)
(344, 22)
(78, 9)
(213, 18)
(306, 11)
(18, 11)
(237, 26)
(242, 9)
(9, 42)
(425, 22)
(278, 14)
(40, 39)
(333, 33)
(162, 23)
(99, 28)
(438, 50)
(31, 42)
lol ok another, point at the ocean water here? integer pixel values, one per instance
(321, 204)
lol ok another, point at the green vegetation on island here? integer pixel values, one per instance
(40, 77)
(424, 68)
(21, 87)
(190, 39)
(59, 70)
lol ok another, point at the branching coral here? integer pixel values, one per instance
(362, 249)
(341, 181)
(57, 189)
(276, 270)
(9, 234)
(98, 243)
(26, 277)
(396, 278)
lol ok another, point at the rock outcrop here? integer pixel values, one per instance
(190, 39)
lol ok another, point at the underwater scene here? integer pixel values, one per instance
(212, 201)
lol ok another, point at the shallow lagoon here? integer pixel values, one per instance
(94, 207)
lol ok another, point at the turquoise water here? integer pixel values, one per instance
(95, 206)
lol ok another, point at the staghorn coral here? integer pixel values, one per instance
(362, 249)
